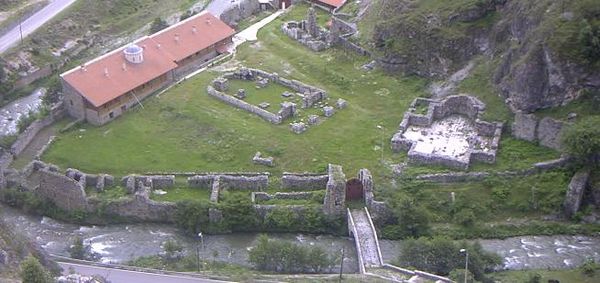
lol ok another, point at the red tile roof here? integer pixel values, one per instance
(161, 51)
(192, 35)
(334, 3)
(110, 76)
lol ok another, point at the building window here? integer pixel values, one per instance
(111, 115)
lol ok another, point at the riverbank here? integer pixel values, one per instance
(122, 243)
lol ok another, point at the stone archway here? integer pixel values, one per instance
(354, 190)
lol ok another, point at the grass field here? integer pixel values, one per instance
(566, 276)
(186, 130)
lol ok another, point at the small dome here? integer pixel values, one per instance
(134, 54)
(133, 49)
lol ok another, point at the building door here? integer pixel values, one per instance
(284, 4)
(354, 190)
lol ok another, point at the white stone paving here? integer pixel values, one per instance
(368, 242)
(447, 137)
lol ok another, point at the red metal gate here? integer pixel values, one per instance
(354, 190)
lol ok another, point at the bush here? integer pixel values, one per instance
(285, 257)
(582, 140)
(157, 25)
(589, 267)
(441, 255)
(78, 250)
(33, 272)
(192, 216)
(413, 220)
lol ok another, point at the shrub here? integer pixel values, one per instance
(33, 272)
(582, 140)
(285, 257)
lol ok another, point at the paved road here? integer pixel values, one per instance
(126, 276)
(32, 23)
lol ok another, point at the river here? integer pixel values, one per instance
(119, 243)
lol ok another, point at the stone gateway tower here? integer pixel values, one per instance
(335, 196)
(311, 23)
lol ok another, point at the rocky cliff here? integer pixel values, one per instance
(545, 53)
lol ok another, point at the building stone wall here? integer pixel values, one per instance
(201, 181)
(525, 127)
(438, 109)
(63, 191)
(254, 183)
(335, 195)
(262, 196)
(303, 182)
(73, 101)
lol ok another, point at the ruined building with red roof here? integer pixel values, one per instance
(105, 87)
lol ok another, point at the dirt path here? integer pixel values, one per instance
(41, 139)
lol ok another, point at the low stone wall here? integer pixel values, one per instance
(250, 74)
(131, 182)
(203, 182)
(273, 118)
(546, 132)
(303, 182)
(63, 191)
(264, 210)
(23, 140)
(141, 208)
(349, 45)
(254, 183)
(262, 196)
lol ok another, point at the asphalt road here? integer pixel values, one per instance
(29, 25)
(126, 276)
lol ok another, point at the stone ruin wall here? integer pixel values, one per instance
(273, 118)
(546, 131)
(303, 182)
(335, 196)
(455, 104)
(64, 192)
(262, 196)
(250, 74)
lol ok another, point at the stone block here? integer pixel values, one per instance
(241, 93)
(575, 192)
(549, 132)
(525, 126)
(328, 111)
(264, 105)
(341, 104)
(313, 119)
(258, 159)
(287, 94)
(221, 84)
(298, 128)
(262, 83)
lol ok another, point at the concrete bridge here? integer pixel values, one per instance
(370, 261)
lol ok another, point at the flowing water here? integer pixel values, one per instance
(12, 112)
(119, 243)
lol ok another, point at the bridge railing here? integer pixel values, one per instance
(352, 228)
(375, 236)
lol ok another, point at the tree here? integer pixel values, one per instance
(33, 272)
(157, 25)
(589, 40)
(79, 250)
(285, 257)
(191, 216)
(441, 256)
(582, 140)
(413, 220)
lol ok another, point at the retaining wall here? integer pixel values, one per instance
(303, 182)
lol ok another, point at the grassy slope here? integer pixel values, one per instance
(186, 130)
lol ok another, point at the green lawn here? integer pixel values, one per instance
(187, 130)
(182, 193)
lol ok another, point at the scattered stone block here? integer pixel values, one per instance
(241, 93)
(287, 94)
(328, 111)
(221, 84)
(264, 105)
(298, 128)
(262, 83)
(313, 119)
(341, 104)
(258, 159)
